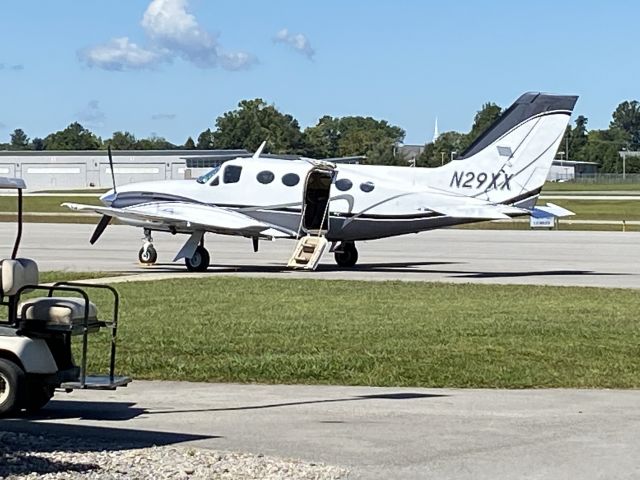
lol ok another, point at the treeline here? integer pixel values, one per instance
(255, 120)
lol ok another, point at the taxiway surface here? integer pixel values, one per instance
(608, 259)
(378, 433)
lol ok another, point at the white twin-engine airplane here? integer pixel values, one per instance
(499, 176)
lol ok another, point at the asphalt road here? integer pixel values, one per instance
(609, 259)
(378, 433)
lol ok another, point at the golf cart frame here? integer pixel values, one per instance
(36, 339)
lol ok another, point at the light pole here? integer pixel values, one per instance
(452, 154)
(441, 158)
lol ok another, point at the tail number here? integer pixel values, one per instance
(495, 181)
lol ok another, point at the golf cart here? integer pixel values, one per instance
(36, 338)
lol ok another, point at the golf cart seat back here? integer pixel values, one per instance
(67, 313)
(16, 274)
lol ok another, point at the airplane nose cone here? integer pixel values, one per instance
(108, 198)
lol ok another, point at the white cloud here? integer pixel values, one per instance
(92, 115)
(173, 32)
(16, 68)
(120, 54)
(2, 126)
(163, 116)
(297, 41)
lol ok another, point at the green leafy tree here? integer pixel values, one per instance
(603, 147)
(74, 137)
(253, 122)
(488, 114)
(19, 140)
(448, 145)
(577, 140)
(154, 143)
(122, 141)
(205, 140)
(346, 136)
(626, 119)
(37, 144)
(190, 144)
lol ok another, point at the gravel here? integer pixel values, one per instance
(24, 456)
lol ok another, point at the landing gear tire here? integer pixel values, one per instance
(37, 395)
(148, 256)
(199, 262)
(11, 387)
(346, 255)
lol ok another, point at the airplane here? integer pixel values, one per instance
(317, 203)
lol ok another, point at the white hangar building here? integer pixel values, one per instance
(45, 170)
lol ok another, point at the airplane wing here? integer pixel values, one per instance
(191, 217)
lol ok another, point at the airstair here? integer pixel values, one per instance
(308, 252)
(314, 219)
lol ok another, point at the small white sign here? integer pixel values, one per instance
(543, 222)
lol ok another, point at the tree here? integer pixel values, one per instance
(488, 114)
(190, 144)
(448, 145)
(19, 140)
(335, 137)
(37, 144)
(253, 122)
(154, 143)
(205, 140)
(626, 118)
(577, 139)
(122, 141)
(74, 137)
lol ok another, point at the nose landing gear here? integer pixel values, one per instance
(147, 254)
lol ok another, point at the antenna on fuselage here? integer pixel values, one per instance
(256, 155)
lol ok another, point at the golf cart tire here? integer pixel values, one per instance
(11, 385)
(204, 258)
(37, 394)
(149, 257)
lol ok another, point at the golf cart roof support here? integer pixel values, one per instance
(16, 184)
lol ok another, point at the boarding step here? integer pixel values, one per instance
(97, 382)
(308, 252)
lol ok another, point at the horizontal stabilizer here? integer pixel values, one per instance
(550, 210)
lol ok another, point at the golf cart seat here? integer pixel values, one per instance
(45, 313)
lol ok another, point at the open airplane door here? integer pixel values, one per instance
(314, 216)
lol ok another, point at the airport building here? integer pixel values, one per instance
(86, 169)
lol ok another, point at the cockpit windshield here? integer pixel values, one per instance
(208, 176)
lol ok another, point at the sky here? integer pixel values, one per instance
(171, 67)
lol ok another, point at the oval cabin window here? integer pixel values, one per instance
(367, 186)
(290, 179)
(344, 184)
(265, 177)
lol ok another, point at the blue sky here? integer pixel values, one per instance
(170, 67)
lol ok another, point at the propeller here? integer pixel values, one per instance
(106, 219)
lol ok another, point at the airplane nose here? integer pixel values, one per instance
(108, 198)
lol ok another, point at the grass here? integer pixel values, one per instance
(586, 187)
(369, 333)
(44, 204)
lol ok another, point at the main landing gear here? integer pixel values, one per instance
(200, 260)
(346, 255)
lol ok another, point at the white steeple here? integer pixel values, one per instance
(436, 134)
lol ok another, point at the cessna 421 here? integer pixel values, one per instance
(315, 202)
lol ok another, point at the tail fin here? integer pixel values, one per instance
(510, 161)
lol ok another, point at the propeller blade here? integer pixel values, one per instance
(113, 174)
(102, 224)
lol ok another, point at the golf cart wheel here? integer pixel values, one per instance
(148, 256)
(37, 395)
(11, 385)
(347, 256)
(199, 262)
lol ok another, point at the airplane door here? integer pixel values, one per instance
(317, 190)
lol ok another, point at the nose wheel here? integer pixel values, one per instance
(346, 255)
(200, 260)
(147, 255)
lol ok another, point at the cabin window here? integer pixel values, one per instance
(232, 174)
(290, 179)
(344, 184)
(265, 177)
(367, 186)
(216, 181)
